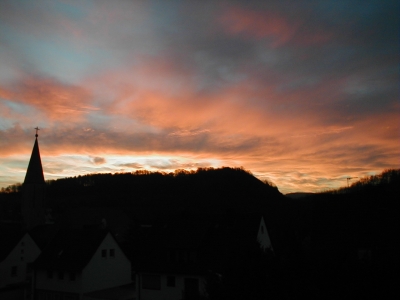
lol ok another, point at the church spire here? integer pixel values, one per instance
(33, 190)
(34, 174)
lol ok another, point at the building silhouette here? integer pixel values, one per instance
(33, 191)
(93, 253)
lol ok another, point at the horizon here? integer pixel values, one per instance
(302, 94)
(167, 172)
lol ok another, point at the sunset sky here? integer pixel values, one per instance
(302, 93)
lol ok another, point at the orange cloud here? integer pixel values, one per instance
(57, 100)
(293, 135)
(238, 119)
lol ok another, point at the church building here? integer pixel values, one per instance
(34, 191)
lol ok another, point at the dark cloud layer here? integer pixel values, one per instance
(303, 93)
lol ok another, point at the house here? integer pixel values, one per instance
(176, 256)
(18, 250)
(79, 262)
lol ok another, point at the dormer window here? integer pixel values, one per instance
(112, 253)
(104, 253)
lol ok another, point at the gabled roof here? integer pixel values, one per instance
(43, 234)
(70, 250)
(34, 174)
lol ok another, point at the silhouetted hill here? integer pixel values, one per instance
(350, 238)
(224, 188)
(10, 206)
(298, 195)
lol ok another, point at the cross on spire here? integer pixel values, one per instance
(37, 129)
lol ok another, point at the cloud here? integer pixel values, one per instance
(98, 160)
(184, 133)
(245, 22)
(300, 94)
(330, 130)
(167, 164)
(56, 100)
(132, 165)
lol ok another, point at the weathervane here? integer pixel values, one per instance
(37, 129)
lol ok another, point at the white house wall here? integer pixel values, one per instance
(263, 236)
(102, 273)
(166, 292)
(56, 284)
(26, 251)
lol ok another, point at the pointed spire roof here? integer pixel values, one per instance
(34, 174)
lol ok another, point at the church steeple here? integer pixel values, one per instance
(34, 174)
(33, 190)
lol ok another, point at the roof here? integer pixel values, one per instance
(43, 234)
(198, 241)
(79, 217)
(34, 174)
(70, 250)
(8, 240)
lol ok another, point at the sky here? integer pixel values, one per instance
(301, 93)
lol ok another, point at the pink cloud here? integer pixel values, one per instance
(58, 101)
(236, 125)
(165, 95)
(268, 24)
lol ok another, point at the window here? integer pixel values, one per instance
(14, 271)
(49, 274)
(22, 258)
(60, 275)
(171, 281)
(22, 251)
(72, 276)
(151, 282)
(104, 253)
(22, 244)
(112, 253)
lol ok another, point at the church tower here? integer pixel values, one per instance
(33, 190)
